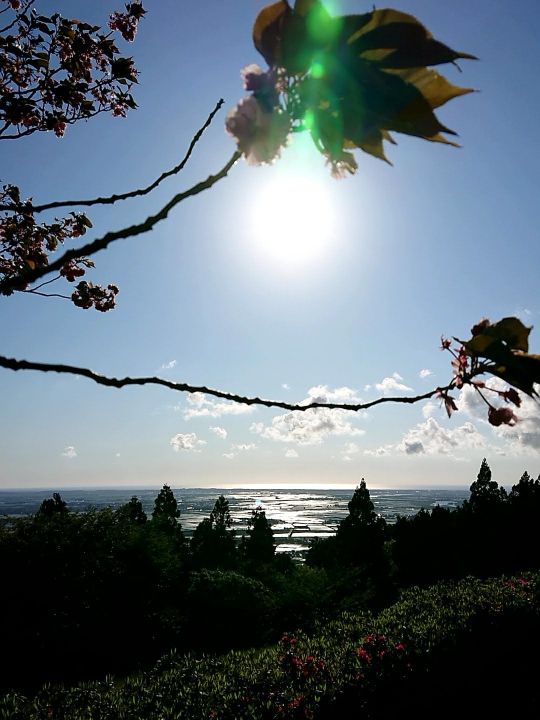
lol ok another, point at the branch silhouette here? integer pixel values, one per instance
(14, 364)
(110, 200)
(9, 285)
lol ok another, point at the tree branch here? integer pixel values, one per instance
(13, 364)
(134, 193)
(8, 285)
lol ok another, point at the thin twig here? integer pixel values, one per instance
(47, 282)
(13, 364)
(134, 193)
(8, 285)
(42, 294)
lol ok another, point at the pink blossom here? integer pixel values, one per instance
(260, 135)
(255, 78)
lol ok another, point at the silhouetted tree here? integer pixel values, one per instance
(258, 544)
(526, 491)
(213, 544)
(52, 506)
(166, 510)
(485, 492)
(360, 536)
(133, 511)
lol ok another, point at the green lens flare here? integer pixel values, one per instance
(317, 70)
(309, 120)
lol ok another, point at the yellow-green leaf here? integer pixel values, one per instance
(436, 89)
(267, 30)
(398, 40)
(511, 331)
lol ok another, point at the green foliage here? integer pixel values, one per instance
(224, 610)
(505, 347)
(397, 664)
(354, 78)
(133, 512)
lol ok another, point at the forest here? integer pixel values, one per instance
(101, 592)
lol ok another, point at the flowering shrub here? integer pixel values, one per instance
(329, 675)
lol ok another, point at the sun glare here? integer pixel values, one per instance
(293, 221)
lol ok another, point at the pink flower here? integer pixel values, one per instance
(260, 135)
(255, 78)
(363, 654)
(445, 343)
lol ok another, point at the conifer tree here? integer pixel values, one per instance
(213, 544)
(485, 492)
(258, 545)
(166, 510)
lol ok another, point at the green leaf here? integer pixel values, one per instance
(388, 101)
(400, 41)
(435, 88)
(511, 331)
(522, 371)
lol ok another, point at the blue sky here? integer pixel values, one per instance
(410, 252)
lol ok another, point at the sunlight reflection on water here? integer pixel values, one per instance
(295, 515)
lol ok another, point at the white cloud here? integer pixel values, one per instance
(290, 453)
(202, 406)
(219, 431)
(425, 373)
(239, 448)
(323, 394)
(69, 452)
(186, 441)
(429, 409)
(378, 452)
(392, 384)
(285, 386)
(430, 438)
(168, 365)
(310, 427)
(349, 449)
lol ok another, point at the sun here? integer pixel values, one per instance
(293, 221)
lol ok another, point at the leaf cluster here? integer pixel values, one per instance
(353, 79)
